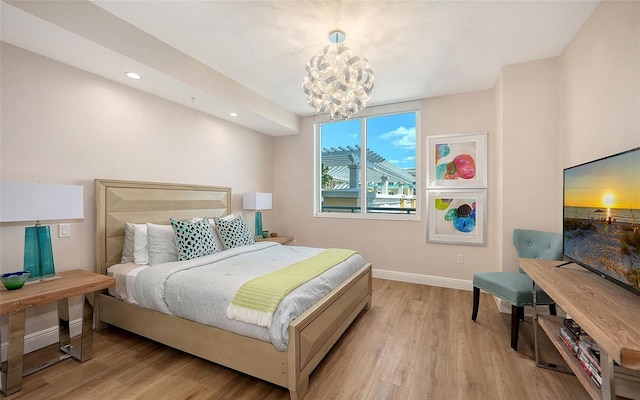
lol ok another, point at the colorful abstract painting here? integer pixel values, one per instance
(457, 161)
(456, 216)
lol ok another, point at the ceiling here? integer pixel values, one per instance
(248, 57)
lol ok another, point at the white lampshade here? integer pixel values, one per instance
(256, 201)
(40, 202)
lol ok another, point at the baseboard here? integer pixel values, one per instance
(423, 279)
(450, 283)
(44, 338)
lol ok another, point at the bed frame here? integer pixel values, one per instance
(311, 335)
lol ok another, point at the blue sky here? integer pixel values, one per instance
(391, 136)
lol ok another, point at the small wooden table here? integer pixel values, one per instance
(284, 240)
(14, 302)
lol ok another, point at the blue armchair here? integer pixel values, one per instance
(516, 288)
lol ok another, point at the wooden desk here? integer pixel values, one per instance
(14, 302)
(608, 313)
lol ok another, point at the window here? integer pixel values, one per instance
(378, 149)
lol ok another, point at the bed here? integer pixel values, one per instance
(310, 336)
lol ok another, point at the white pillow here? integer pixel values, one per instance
(162, 244)
(127, 248)
(226, 218)
(140, 244)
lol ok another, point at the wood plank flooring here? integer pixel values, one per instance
(415, 342)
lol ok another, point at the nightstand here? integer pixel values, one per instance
(14, 303)
(284, 240)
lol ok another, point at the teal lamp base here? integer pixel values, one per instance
(38, 253)
(258, 223)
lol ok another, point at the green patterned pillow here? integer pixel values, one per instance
(233, 232)
(194, 239)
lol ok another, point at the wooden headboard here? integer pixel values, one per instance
(118, 202)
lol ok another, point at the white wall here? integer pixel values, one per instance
(63, 125)
(600, 85)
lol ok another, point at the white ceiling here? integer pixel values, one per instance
(249, 56)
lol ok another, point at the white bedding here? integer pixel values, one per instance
(125, 276)
(201, 289)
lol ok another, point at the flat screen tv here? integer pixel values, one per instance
(601, 217)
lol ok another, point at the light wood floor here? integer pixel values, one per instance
(416, 342)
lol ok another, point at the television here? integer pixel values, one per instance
(601, 217)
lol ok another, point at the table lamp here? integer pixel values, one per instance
(257, 201)
(39, 202)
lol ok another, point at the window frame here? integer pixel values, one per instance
(369, 112)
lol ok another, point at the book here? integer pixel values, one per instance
(573, 327)
(590, 370)
(591, 351)
(569, 340)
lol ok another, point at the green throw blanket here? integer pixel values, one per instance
(257, 300)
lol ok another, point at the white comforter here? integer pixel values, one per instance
(201, 289)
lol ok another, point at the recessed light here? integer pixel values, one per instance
(233, 114)
(133, 75)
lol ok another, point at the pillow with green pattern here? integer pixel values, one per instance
(234, 232)
(194, 239)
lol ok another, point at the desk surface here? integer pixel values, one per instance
(71, 283)
(607, 312)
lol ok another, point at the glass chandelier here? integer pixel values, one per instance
(338, 82)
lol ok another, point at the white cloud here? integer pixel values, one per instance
(401, 137)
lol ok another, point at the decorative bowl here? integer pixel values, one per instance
(274, 234)
(14, 280)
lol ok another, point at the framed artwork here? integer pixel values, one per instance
(457, 161)
(456, 216)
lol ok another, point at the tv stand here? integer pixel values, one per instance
(607, 312)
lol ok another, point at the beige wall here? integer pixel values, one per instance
(527, 182)
(520, 116)
(63, 125)
(497, 218)
(398, 247)
(600, 85)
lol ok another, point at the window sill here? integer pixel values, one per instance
(369, 216)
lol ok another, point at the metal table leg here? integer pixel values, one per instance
(85, 352)
(12, 369)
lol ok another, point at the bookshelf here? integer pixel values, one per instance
(607, 312)
(551, 326)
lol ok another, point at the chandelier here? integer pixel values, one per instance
(338, 82)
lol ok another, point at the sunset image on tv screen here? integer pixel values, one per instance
(602, 216)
